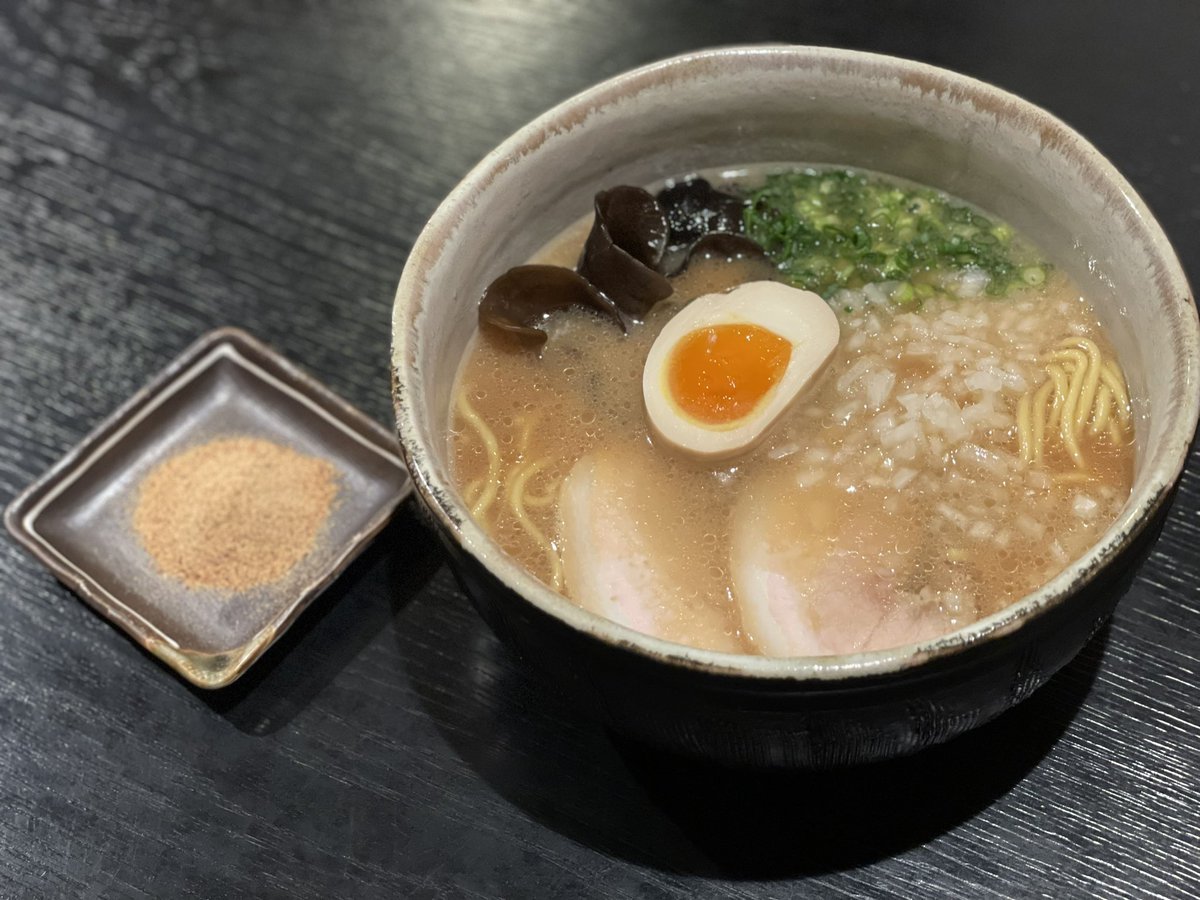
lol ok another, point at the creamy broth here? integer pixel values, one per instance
(901, 471)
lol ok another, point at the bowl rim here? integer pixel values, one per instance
(439, 498)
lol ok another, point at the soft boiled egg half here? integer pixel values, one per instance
(725, 368)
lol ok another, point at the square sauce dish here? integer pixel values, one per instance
(206, 513)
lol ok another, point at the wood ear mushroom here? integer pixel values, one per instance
(518, 302)
(624, 249)
(621, 272)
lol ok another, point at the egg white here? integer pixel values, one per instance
(800, 317)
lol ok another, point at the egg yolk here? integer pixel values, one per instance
(718, 374)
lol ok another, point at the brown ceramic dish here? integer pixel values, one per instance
(735, 106)
(76, 517)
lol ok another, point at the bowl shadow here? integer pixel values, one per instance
(684, 815)
(340, 623)
(776, 823)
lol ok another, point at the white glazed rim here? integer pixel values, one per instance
(440, 498)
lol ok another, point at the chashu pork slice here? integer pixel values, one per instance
(630, 555)
(818, 570)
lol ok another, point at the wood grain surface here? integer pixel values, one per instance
(168, 167)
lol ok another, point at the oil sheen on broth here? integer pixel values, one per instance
(929, 477)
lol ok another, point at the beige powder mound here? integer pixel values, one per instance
(234, 513)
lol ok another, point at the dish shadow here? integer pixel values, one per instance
(340, 623)
(683, 815)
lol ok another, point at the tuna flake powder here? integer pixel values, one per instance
(234, 513)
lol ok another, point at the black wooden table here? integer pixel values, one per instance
(167, 167)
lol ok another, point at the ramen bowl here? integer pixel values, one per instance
(730, 107)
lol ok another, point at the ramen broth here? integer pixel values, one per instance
(899, 478)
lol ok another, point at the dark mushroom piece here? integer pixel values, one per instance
(621, 270)
(720, 245)
(520, 300)
(694, 208)
(625, 246)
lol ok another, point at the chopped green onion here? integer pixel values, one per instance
(904, 294)
(832, 229)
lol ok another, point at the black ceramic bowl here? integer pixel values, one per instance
(741, 105)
